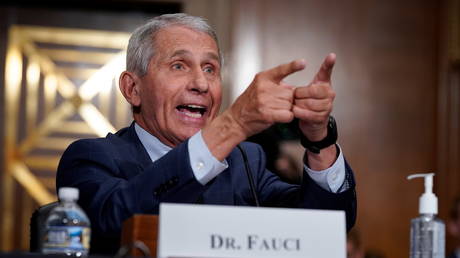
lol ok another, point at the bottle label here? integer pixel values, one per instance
(60, 238)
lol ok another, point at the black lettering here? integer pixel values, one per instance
(230, 243)
(216, 241)
(276, 244)
(286, 244)
(298, 244)
(252, 241)
(264, 245)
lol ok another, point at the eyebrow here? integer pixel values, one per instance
(213, 56)
(183, 52)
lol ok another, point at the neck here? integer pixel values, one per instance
(142, 123)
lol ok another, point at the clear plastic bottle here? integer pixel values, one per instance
(427, 237)
(427, 232)
(67, 228)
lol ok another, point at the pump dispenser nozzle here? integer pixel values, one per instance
(428, 200)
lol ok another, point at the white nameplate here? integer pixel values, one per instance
(233, 231)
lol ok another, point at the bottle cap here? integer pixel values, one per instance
(68, 193)
(428, 203)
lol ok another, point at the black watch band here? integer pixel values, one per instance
(330, 139)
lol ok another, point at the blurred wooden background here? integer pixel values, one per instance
(396, 77)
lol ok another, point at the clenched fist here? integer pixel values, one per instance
(267, 100)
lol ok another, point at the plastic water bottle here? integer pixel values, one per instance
(427, 234)
(67, 228)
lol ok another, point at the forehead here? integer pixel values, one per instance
(173, 38)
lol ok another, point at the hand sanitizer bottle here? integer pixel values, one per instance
(427, 232)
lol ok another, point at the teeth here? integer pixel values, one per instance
(191, 110)
(194, 106)
(194, 115)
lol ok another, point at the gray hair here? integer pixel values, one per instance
(141, 47)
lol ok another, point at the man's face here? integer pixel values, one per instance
(181, 91)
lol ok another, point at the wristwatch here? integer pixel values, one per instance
(330, 139)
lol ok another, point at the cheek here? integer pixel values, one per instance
(217, 94)
(152, 103)
(217, 101)
(155, 95)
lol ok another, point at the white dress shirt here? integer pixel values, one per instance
(205, 166)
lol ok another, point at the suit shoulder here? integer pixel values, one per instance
(86, 149)
(88, 143)
(102, 144)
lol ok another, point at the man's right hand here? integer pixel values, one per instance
(267, 100)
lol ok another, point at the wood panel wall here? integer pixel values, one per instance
(386, 79)
(449, 111)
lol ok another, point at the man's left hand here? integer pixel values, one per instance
(313, 103)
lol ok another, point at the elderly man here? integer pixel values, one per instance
(179, 149)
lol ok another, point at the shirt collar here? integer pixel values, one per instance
(155, 148)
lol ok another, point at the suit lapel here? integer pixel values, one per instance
(131, 143)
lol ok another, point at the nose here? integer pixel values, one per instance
(199, 83)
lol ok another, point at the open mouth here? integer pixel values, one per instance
(195, 111)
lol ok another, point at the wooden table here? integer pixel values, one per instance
(140, 228)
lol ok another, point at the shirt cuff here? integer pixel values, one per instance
(204, 165)
(332, 178)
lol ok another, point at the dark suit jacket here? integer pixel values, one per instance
(117, 179)
(452, 255)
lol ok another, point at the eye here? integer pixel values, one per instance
(208, 69)
(178, 66)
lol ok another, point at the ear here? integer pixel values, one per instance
(130, 88)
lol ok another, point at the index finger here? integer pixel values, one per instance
(277, 74)
(324, 73)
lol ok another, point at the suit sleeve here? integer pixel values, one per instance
(315, 197)
(275, 192)
(109, 197)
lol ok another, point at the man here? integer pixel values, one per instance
(179, 149)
